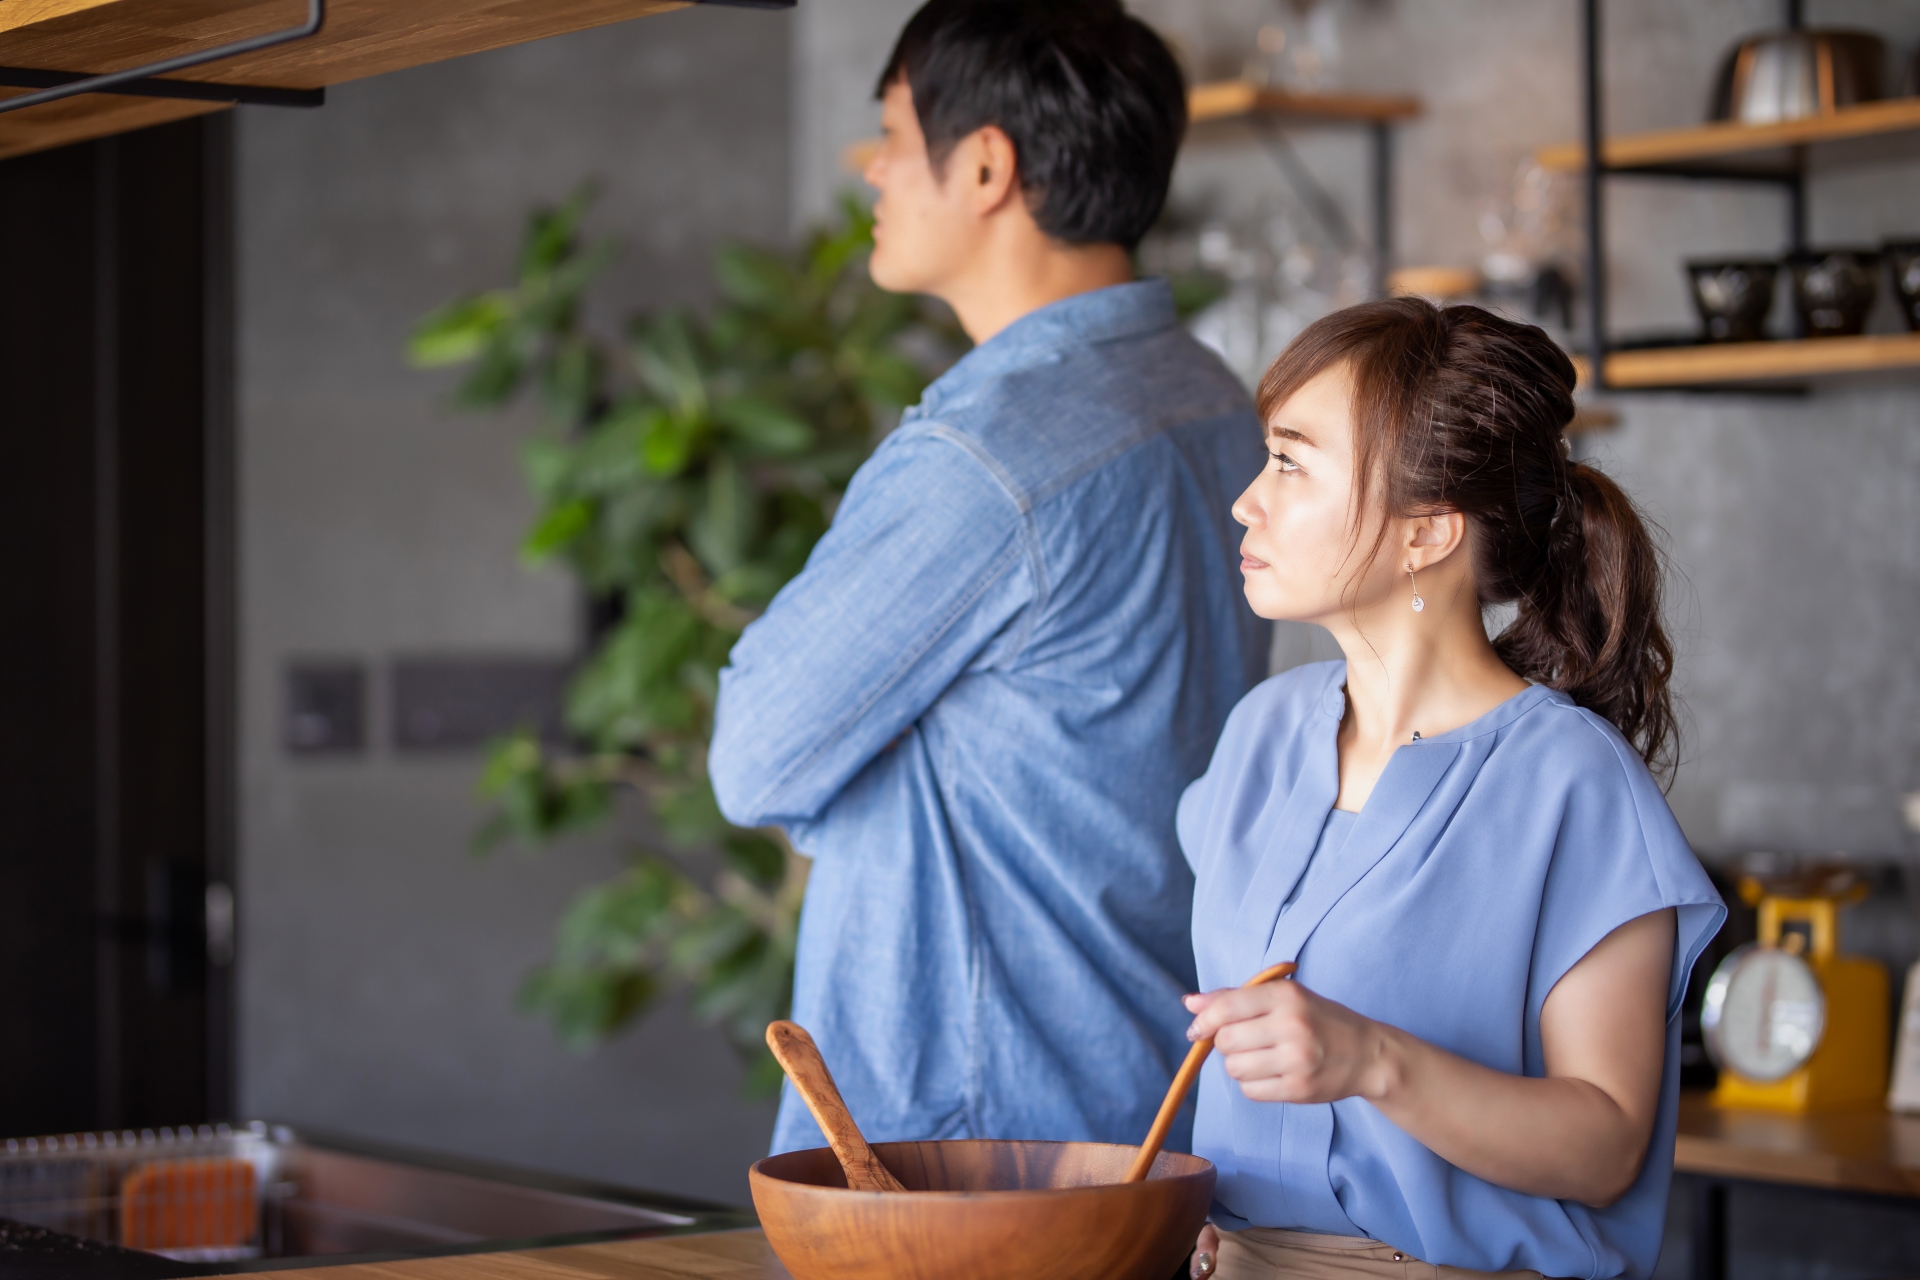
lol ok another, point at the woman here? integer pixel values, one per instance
(1458, 840)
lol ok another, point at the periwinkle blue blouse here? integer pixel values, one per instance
(1485, 864)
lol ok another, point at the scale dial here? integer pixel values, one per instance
(1764, 1013)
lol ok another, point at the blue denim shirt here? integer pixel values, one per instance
(976, 709)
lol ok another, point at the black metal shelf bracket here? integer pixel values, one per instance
(144, 82)
(1319, 203)
(1792, 179)
(1596, 175)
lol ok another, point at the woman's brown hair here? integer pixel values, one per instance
(1457, 409)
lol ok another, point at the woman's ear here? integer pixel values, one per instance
(1433, 538)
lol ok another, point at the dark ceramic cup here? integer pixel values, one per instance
(1903, 265)
(1833, 290)
(1733, 298)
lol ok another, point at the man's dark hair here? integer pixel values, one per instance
(1091, 98)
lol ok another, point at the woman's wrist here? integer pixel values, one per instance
(1384, 1071)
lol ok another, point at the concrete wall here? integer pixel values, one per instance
(379, 958)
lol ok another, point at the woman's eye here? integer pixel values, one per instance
(1285, 463)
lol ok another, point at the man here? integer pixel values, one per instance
(979, 703)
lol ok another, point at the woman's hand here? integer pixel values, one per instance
(1578, 1133)
(1206, 1254)
(1283, 1043)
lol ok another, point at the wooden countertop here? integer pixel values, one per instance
(723, 1255)
(1871, 1149)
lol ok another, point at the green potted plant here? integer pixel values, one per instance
(683, 473)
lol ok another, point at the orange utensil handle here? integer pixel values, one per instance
(1183, 1081)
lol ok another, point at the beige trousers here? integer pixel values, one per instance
(1267, 1253)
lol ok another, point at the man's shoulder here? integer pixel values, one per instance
(1073, 409)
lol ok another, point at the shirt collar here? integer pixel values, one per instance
(1101, 315)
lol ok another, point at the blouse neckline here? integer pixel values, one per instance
(1334, 703)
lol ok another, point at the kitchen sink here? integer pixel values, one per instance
(220, 1199)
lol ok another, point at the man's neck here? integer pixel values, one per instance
(1011, 280)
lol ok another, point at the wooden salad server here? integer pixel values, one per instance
(1182, 1081)
(800, 1058)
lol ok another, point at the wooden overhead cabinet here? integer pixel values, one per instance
(356, 38)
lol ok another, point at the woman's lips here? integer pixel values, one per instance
(1248, 564)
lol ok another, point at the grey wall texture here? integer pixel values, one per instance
(379, 958)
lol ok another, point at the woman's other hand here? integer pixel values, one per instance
(1283, 1043)
(1206, 1253)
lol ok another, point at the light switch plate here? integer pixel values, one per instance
(325, 707)
(456, 703)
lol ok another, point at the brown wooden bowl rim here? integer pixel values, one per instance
(1206, 1167)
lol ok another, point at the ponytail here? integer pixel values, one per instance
(1457, 409)
(1590, 626)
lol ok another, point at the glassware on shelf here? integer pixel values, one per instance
(1299, 52)
(1529, 228)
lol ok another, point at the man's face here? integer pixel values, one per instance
(924, 224)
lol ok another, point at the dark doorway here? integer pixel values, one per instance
(116, 560)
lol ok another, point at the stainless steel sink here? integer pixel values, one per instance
(284, 1197)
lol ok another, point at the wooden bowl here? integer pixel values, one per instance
(977, 1209)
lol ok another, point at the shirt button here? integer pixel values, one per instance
(1399, 1257)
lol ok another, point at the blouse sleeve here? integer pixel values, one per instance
(1620, 855)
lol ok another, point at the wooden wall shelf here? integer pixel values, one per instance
(361, 38)
(1753, 362)
(1241, 100)
(1719, 141)
(1237, 99)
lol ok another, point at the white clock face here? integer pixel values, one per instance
(1763, 1014)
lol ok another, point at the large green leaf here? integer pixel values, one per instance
(764, 427)
(460, 331)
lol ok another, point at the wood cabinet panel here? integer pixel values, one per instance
(360, 38)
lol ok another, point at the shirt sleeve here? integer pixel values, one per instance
(1620, 855)
(926, 564)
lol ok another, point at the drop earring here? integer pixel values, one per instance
(1418, 603)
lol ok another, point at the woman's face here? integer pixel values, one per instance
(1303, 544)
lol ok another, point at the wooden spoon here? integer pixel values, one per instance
(800, 1058)
(1182, 1081)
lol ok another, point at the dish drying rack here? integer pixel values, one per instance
(206, 1194)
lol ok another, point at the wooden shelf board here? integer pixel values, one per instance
(1747, 362)
(1717, 141)
(361, 38)
(1236, 99)
(1593, 417)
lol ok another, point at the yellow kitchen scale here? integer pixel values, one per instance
(1792, 1024)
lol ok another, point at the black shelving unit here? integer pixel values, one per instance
(1791, 178)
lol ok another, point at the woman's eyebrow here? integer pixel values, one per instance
(1277, 432)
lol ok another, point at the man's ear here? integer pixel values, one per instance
(986, 167)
